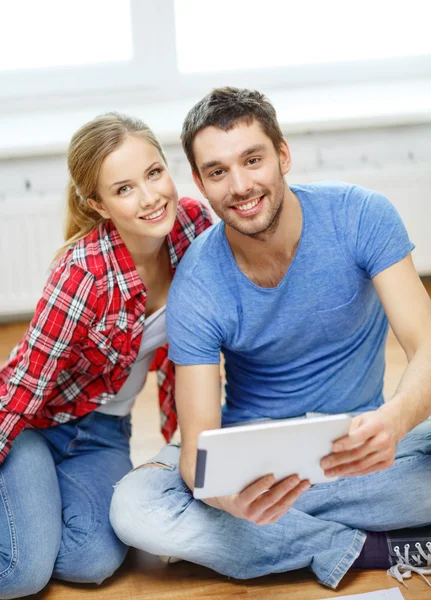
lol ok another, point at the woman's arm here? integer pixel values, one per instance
(62, 317)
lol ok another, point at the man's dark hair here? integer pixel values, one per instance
(224, 108)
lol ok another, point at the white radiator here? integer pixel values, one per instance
(31, 230)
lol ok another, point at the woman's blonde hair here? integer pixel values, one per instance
(90, 145)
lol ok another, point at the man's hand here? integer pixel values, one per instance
(264, 501)
(370, 446)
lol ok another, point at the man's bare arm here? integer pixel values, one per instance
(373, 436)
(408, 308)
(199, 408)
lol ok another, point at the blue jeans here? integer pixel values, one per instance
(56, 487)
(153, 509)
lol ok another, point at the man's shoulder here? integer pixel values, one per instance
(338, 201)
(202, 255)
(199, 278)
(330, 190)
(334, 191)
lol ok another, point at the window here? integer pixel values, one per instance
(74, 51)
(59, 34)
(250, 34)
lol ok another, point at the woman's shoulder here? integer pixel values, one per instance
(193, 215)
(193, 209)
(86, 254)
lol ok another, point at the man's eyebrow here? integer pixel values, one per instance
(251, 150)
(127, 180)
(210, 164)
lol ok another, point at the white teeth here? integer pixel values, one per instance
(249, 205)
(154, 215)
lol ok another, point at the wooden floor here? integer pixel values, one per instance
(145, 577)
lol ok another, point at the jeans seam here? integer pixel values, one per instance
(126, 426)
(95, 521)
(89, 420)
(334, 577)
(282, 546)
(12, 532)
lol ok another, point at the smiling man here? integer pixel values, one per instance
(295, 286)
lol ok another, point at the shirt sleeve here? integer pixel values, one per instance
(61, 320)
(376, 237)
(194, 332)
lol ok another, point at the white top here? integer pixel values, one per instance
(153, 337)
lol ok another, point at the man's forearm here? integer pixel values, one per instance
(187, 470)
(411, 403)
(188, 466)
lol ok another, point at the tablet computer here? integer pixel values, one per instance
(230, 459)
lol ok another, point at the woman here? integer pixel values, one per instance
(66, 391)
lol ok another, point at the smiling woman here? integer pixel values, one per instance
(145, 198)
(97, 329)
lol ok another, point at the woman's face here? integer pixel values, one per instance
(136, 191)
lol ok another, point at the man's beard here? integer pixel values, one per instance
(268, 229)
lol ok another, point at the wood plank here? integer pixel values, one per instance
(187, 581)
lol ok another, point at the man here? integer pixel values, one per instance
(295, 286)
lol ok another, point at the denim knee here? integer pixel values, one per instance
(102, 554)
(25, 579)
(136, 508)
(127, 507)
(147, 507)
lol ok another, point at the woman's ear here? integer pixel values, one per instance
(98, 207)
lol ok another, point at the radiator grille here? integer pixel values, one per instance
(31, 230)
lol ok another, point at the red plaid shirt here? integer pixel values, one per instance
(86, 333)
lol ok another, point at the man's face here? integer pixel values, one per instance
(241, 174)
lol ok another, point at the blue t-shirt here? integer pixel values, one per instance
(316, 342)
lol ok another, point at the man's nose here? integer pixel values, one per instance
(241, 183)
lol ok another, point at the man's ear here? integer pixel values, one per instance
(198, 181)
(98, 207)
(285, 159)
